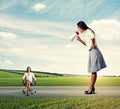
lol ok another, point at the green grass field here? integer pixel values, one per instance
(60, 103)
(15, 79)
(8, 78)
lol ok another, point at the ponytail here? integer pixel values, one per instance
(91, 30)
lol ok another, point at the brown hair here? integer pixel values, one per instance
(28, 68)
(84, 26)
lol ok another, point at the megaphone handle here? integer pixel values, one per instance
(73, 38)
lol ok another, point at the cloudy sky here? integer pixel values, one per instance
(36, 33)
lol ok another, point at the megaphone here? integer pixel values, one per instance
(72, 37)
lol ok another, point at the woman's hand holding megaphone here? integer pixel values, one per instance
(73, 36)
(78, 38)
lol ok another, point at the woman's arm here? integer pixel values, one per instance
(79, 39)
(33, 77)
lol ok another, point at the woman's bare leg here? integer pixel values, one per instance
(28, 87)
(25, 89)
(93, 80)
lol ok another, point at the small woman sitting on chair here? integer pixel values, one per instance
(28, 80)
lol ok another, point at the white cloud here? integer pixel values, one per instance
(55, 29)
(53, 68)
(111, 55)
(71, 45)
(13, 51)
(7, 4)
(7, 35)
(58, 58)
(49, 55)
(6, 63)
(107, 29)
(39, 6)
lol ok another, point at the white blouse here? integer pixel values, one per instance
(29, 77)
(88, 36)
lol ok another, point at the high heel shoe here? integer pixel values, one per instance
(93, 89)
(90, 92)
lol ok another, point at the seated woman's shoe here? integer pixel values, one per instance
(28, 94)
(24, 91)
